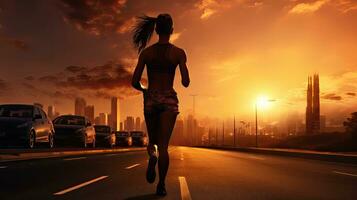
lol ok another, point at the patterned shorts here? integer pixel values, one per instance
(156, 101)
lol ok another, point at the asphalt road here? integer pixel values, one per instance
(194, 174)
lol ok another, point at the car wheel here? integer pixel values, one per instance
(32, 140)
(51, 141)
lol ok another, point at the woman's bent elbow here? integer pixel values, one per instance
(186, 83)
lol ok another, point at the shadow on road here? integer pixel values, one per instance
(145, 197)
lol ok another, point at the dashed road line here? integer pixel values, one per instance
(80, 185)
(185, 192)
(78, 158)
(109, 155)
(345, 173)
(3, 167)
(132, 166)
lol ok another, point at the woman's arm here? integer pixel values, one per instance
(185, 77)
(135, 81)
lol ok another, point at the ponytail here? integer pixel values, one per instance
(143, 31)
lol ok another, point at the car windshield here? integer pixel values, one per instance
(70, 120)
(102, 129)
(19, 111)
(137, 134)
(122, 134)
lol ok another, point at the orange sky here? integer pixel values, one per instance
(237, 50)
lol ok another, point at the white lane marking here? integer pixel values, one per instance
(132, 166)
(181, 156)
(80, 185)
(78, 158)
(111, 155)
(256, 157)
(3, 167)
(344, 173)
(185, 193)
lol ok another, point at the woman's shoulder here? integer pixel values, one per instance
(178, 50)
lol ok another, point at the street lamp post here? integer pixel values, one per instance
(234, 130)
(256, 125)
(256, 120)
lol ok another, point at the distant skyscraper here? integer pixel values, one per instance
(114, 113)
(51, 112)
(313, 105)
(79, 106)
(129, 123)
(121, 128)
(190, 130)
(89, 113)
(103, 119)
(177, 136)
(137, 124)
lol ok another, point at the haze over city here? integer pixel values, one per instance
(238, 50)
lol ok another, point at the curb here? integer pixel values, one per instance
(56, 154)
(324, 156)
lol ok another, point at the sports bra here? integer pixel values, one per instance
(160, 62)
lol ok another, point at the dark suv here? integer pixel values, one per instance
(139, 138)
(26, 125)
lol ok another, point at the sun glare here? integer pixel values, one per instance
(263, 102)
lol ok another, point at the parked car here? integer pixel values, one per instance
(123, 138)
(104, 136)
(74, 129)
(24, 124)
(139, 138)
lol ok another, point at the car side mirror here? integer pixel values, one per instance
(37, 117)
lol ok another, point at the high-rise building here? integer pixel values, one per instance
(51, 112)
(121, 128)
(313, 105)
(177, 135)
(114, 113)
(190, 130)
(103, 119)
(137, 124)
(89, 112)
(79, 106)
(129, 123)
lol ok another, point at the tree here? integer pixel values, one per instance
(351, 125)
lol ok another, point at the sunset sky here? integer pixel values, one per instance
(238, 50)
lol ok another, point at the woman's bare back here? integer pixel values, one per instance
(161, 60)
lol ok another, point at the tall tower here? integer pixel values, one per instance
(79, 106)
(313, 105)
(316, 105)
(309, 107)
(114, 113)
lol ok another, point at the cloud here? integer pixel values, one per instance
(303, 8)
(15, 43)
(3, 86)
(96, 17)
(75, 69)
(332, 96)
(29, 78)
(103, 81)
(210, 7)
(351, 94)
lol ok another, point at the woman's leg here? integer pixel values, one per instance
(166, 125)
(152, 122)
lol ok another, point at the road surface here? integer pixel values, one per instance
(198, 174)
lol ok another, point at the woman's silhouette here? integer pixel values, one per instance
(160, 99)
